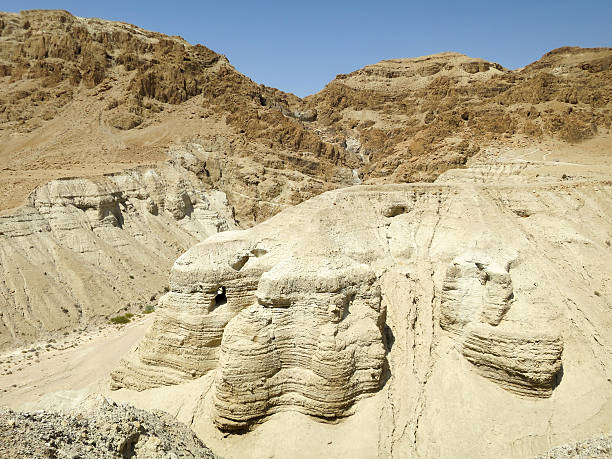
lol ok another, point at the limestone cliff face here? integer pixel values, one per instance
(476, 295)
(82, 96)
(413, 119)
(477, 303)
(389, 291)
(84, 249)
(315, 353)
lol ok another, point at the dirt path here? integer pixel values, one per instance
(82, 365)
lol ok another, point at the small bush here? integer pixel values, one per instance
(148, 309)
(124, 319)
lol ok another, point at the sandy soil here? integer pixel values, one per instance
(77, 364)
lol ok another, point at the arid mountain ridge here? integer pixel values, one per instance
(80, 94)
(120, 148)
(463, 314)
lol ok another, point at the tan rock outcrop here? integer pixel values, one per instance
(476, 289)
(311, 343)
(422, 315)
(80, 97)
(419, 117)
(75, 254)
(188, 329)
(296, 333)
(476, 294)
(526, 362)
(260, 313)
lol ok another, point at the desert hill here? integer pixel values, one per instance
(412, 119)
(413, 262)
(90, 110)
(84, 96)
(80, 97)
(468, 317)
(121, 148)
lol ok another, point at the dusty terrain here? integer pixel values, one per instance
(109, 105)
(414, 262)
(536, 220)
(97, 429)
(79, 363)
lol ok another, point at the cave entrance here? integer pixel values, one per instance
(220, 299)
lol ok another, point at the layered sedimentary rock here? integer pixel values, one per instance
(476, 294)
(209, 285)
(315, 352)
(79, 94)
(312, 343)
(412, 119)
(82, 96)
(261, 312)
(476, 289)
(76, 253)
(445, 310)
(526, 362)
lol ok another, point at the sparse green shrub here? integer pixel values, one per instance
(149, 309)
(124, 319)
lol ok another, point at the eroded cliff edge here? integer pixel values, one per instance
(84, 249)
(446, 308)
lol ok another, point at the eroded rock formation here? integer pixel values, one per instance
(78, 95)
(77, 252)
(429, 313)
(476, 294)
(527, 362)
(313, 342)
(304, 311)
(412, 119)
(82, 96)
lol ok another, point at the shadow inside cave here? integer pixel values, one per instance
(557, 378)
(388, 340)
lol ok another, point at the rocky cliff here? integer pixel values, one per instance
(85, 97)
(79, 96)
(412, 119)
(84, 249)
(486, 288)
(82, 95)
(385, 319)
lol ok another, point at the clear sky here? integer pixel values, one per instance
(299, 46)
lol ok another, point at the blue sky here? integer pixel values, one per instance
(299, 46)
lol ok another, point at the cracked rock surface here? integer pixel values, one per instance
(97, 429)
(448, 308)
(85, 249)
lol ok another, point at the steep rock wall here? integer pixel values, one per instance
(482, 283)
(78, 251)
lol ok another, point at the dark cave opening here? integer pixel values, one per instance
(221, 298)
